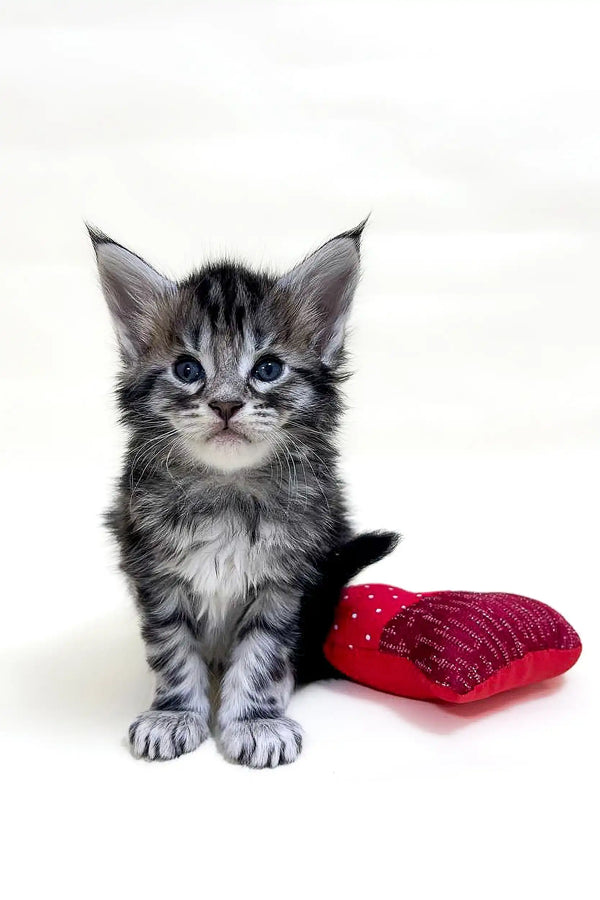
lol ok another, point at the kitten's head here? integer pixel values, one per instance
(231, 365)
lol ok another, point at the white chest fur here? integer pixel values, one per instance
(222, 562)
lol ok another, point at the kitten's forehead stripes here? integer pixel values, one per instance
(222, 300)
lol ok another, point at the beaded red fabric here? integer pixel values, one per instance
(459, 639)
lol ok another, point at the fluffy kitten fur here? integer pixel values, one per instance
(230, 517)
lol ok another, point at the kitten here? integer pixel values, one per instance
(230, 517)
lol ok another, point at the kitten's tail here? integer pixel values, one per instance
(319, 603)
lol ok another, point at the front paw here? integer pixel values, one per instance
(262, 742)
(165, 734)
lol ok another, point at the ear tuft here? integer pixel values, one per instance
(356, 233)
(96, 236)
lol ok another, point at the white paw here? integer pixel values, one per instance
(262, 742)
(165, 734)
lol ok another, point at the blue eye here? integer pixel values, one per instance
(268, 370)
(188, 370)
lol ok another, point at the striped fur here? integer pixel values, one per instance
(232, 531)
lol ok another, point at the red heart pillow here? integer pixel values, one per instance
(447, 645)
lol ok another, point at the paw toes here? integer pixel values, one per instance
(262, 743)
(158, 734)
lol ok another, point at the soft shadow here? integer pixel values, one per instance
(446, 718)
(96, 675)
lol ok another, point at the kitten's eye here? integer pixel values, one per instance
(268, 370)
(188, 370)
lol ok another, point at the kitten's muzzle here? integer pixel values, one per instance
(226, 409)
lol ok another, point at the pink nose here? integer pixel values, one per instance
(226, 409)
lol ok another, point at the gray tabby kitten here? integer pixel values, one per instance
(229, 516)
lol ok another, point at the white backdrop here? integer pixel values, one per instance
(185, 129)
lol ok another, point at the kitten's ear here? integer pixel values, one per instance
(321, 289)
(134, 292)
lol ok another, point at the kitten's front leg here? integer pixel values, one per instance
(255, 692)
(177, 721)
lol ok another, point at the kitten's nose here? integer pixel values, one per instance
(226, 408)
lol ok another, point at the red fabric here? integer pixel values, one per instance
(447, 645)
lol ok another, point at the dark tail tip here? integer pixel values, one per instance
(362, 551)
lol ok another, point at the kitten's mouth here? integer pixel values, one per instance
(228, 437)
(229, 449)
